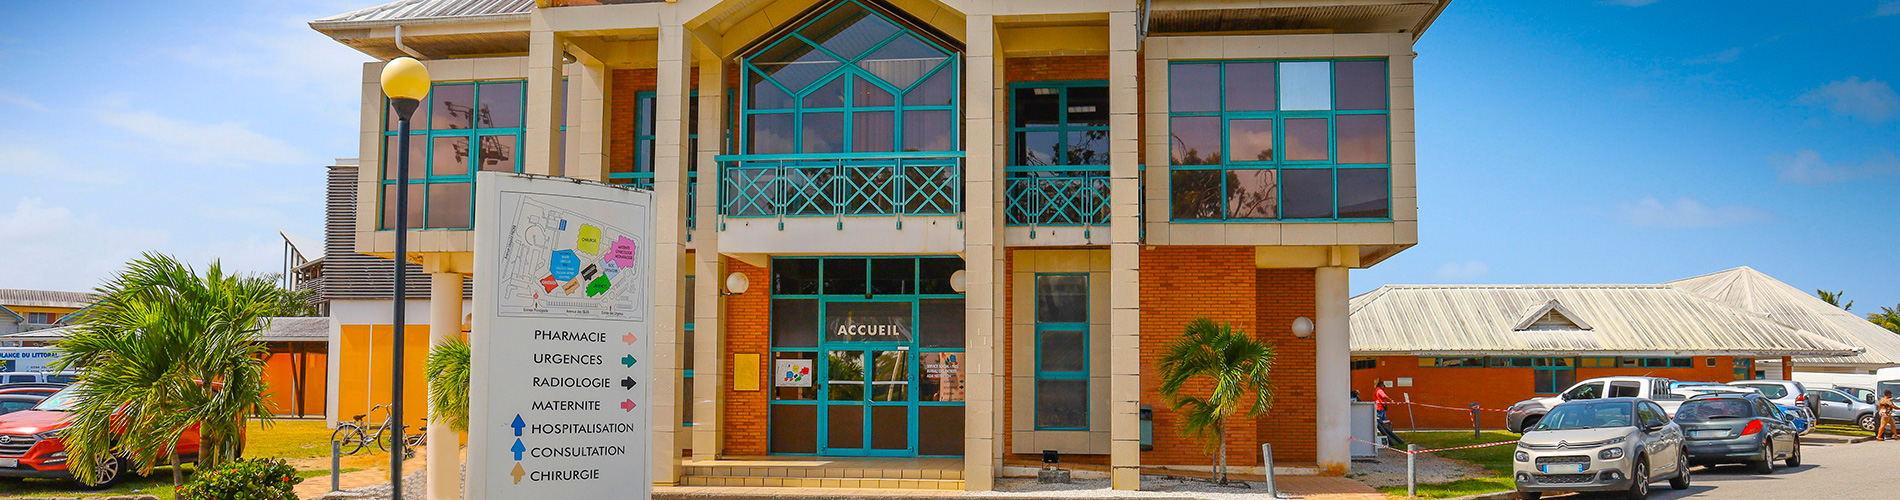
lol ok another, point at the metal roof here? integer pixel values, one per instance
(44, 298)
(1749, 290)
(414, 12)
(285, 329)
(1620, 320)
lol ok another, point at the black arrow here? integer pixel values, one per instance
(628, 383)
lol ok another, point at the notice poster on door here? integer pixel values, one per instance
(561, 349)
(792, 373)
(943, 376)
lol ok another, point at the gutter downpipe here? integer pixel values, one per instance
(1141, 32)
(405, 48)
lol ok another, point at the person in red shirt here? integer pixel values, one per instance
(1379, 400)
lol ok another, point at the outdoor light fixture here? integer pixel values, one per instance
(1303, 327)
(737, 283)
(406, 82)
(1050, 458)
(957, 281)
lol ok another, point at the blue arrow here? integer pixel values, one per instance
(518, 448)
(518, 425)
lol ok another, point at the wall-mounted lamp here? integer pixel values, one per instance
(737, 283)
(568, 57)
(1303, 327)
(957, 281)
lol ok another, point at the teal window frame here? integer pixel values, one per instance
(1043, 327)
(646, 131)
(1465, 362)
(1080, 190)
(1280, 164)
(1062, 127)
(420, 131)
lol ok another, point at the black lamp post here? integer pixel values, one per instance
(406, 82)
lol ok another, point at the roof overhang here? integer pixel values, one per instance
(1313, 16)
(1628, 353)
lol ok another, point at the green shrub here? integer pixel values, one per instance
(244, 479)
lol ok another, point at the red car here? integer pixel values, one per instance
(30, 445)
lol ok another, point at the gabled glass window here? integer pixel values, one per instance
(460, 129)
(1294, 140)
(851, 80)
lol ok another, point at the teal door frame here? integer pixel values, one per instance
(864, 350)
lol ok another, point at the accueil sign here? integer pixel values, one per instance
(855, 328)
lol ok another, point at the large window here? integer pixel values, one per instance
(1058, 143)
(851, 81)
(1279, 140)
(461, 128)
(640, 173)
(1062, 351)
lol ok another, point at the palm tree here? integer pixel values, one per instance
(1238, 366)
(163, 349)
(1834, 299)
(448, 383)
(1888, 317)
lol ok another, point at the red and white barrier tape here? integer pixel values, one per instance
(1467, 408)
(1435, 450)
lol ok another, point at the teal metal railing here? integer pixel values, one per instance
(1056, 196)
(795, 185)
(644, 180)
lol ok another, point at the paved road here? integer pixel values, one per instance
(1843, 472)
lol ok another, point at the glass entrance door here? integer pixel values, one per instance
(867, 402)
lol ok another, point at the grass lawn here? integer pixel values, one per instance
(304, 443)
(1495, 460)
(1843, 430)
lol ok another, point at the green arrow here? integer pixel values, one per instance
(629, 361)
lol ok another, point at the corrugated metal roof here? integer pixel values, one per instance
(1749, 290)
(1622, 319)
(43, 298)
(412, 12)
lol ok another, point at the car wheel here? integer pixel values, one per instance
(108, 473)
(1869, 422)
(1681, 481)
(1794, 459)
(1766, 464)
(1639, 480)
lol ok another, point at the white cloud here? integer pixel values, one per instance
(1632, 3)
(1807, 167)
(227, 144)
(1870, 100)
(21, 101)
(1724, 56)
(51, 248)
(1461, 271)
(1687, 212)
(1887, 9)
(25, 160)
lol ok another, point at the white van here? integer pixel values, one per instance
(1859, 385)
(52, 377)
(1887, 379)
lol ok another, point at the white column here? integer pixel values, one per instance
(587, 110)
(982, 406)
(1332, 362)
(443, 457)
(538, 152)
(708, 334)
(669, 176)
(1124, 275)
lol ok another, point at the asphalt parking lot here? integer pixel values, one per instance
(1839, 472)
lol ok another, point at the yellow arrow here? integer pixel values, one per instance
(517, 473)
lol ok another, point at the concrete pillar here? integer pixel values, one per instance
(587, 118)
(543, 128)
(669, 183)
(1124, 328)
(1332, 365)
(1787, 368)
(983, 403)
(443, 457)
(708, 334)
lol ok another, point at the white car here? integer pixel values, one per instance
(1612, 444)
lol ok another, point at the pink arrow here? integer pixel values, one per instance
(627, 405)
(628, 338)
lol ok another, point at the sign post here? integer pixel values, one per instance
(561, 365)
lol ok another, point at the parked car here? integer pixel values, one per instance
(1739, 428)
(1840, 407)
(66, 377)
(1799, 416)
(1859, 386)
(1693, 389)
(41, 389)
(10, 403)
(1525, 414)
(1783, 392)
(30, 445)
(1611, 444)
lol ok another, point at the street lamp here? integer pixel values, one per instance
(406, 82)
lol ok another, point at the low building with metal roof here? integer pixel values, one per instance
(1493, 345)
(1749, 290)
(28, 310)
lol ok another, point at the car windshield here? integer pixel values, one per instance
(64, 400)
(1773, 391)
(1588, 416)
(1713, 409)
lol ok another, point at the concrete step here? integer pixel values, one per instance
(693, 479)
(775, 471)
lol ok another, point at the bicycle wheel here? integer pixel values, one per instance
(349, 438)
(382, 441)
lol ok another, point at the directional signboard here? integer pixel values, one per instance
(560, 377)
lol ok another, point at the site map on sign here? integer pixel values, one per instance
(558, 262)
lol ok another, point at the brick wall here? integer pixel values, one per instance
(1283, 295)
(1037, 69)
(1502, 387)
(748, 320)
(1179, 284)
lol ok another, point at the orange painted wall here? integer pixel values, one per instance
(1501, 387)
(280, 374)
(363, 372)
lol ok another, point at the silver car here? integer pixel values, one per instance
(1615, 444)
(1841, 407)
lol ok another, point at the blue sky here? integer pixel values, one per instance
(1559, 142)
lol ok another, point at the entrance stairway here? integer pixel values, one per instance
(827, 472)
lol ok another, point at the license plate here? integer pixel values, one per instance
(9, 462)
(1563, 469)
(1708, 434)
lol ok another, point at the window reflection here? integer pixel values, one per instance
(1250, 140)
(1194, 140)
(1309, 193)
(1193, 87)
(1252, 194)
(1196, 194)
(1306, 86)
(1362, 139)
(453, 107)
(1364, 193)
(1362, 84)
(1250, 86)
(1306, 139)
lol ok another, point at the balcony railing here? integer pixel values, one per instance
(1056, 196)
(906, 183)
(644, 180)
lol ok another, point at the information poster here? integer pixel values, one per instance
(561, 356)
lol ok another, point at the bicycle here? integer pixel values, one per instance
(357, 432)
